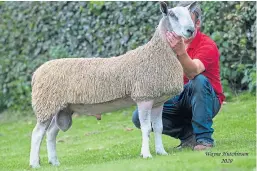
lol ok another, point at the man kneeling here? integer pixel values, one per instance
(189, 116)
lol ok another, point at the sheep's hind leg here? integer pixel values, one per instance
(156, 119)
(51, 134)
(144, 109)
(36, 139)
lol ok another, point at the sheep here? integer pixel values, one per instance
(146, 76)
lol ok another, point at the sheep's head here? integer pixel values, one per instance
(178, 19)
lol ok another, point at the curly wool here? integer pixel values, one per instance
(148, 72)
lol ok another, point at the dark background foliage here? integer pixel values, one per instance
(32, 33)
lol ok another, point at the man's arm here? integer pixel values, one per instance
(191, 67)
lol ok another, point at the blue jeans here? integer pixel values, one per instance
(191, 112)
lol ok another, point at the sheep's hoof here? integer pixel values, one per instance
(54, 163)
(35, 166)
(146, 155)
(161, 152)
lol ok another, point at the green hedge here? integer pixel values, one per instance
(35, 32)
(233, 27)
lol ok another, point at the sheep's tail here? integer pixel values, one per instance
(34, 76)
(33, 79)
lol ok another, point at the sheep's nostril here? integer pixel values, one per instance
(190, 31)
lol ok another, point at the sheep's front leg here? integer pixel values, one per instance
(156, 119)
(144, 110)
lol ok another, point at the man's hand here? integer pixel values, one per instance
(192, 67)
(176, 43)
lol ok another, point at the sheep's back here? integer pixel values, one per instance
(60, 82)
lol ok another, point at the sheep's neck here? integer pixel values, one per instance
(160, 33)
(159, 41)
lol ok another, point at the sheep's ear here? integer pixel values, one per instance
(163, 8)
(192, 6)
(63, 120)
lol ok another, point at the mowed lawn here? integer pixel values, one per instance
(113, 144)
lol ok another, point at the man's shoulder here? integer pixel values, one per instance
(206, 40)
(208, 45)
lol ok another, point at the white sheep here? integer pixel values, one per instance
(147, 76)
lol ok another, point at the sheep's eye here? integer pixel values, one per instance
(171, 13)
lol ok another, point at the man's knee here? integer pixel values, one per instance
(200, 82)
(135, 119)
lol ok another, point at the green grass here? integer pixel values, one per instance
(109, 145)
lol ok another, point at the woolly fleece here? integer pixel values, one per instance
(147, 72)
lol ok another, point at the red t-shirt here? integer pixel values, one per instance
(204, 48)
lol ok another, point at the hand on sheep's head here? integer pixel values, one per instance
(176, 43)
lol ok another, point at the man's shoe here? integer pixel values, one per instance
(203, 146)
(189, 142)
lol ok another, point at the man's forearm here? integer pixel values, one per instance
(189, 67)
